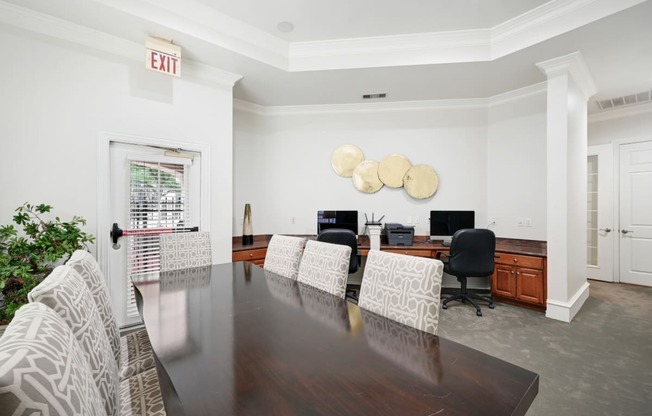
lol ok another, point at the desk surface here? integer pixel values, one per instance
(233, 339)
(505, 245)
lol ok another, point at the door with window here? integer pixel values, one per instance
(153, 191)
(600, 230)
(635, 228)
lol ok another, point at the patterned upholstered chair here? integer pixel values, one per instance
(185, 250)
(404, 288)
(67, 295)
(284, 255)
(133, 351)
(325, 266)
(43, 369)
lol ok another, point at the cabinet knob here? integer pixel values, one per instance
(515, 260)
(512, 271)
(518, 273)
(251, 254)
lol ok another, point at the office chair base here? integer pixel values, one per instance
(464, 297)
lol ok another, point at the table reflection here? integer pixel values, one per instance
(411, 349)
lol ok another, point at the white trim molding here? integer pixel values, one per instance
(566, 311)
(64, 30)
(206, 24)
(394, 106)
(574, 65)
(621, 112)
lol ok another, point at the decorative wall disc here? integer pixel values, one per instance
(392, 170)
(421, 181)
(345, 159)
(365, 177)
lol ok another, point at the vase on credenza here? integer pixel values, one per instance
(247, 230)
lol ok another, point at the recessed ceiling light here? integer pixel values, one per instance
(285, 27)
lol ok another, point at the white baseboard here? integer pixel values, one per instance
(566, 311)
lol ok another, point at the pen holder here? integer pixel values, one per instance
(374, 236)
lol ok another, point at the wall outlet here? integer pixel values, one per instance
(293, 220)
(409, 219)
(528, 222)
(519, 221)
(416, 220)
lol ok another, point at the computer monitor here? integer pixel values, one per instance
(337, 219)
(443, 224)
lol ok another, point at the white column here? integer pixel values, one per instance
(569, 87)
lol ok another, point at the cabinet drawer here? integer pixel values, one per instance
(249, 255)
(417, 253)
(518, 260)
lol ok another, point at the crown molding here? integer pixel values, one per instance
(574, 65)
(47, 25)
(205, 23)
(515, 95)
(621, 112)
(202, 22)
(547, 21)
(394, 106)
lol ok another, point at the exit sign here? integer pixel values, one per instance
(162, 56)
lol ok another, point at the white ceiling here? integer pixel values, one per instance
(412, 50)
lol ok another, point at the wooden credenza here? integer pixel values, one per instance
(519, 277)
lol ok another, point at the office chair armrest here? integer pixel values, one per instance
(441, 254)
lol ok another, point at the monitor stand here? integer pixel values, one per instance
(446, 243)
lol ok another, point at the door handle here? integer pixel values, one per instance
(626, 231)
(606, 230)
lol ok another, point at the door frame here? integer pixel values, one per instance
(104, 220)
(605, 156)
(616, 209)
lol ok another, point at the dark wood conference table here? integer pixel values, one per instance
(233, 339)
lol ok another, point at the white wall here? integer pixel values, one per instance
(56, 98)
(516, 178)
(283, 165)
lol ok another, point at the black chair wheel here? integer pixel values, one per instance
(479, 313)
(444, 306)
(491, 306)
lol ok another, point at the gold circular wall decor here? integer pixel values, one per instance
(392, 170)
(345, 159)
(365, 177)
(421, 181)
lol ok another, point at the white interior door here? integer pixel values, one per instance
(635, 229)
(600, 230)
(151, 193)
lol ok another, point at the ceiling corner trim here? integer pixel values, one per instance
(209, 25)
(574, 65)
(56, 28)
(622, 112)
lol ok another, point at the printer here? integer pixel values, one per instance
(399, 235)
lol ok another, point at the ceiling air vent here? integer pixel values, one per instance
(373, 96)
(641, 97)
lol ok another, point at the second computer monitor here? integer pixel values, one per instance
(337, 219)
(443, 224)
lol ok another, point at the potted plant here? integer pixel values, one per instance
(28, 255)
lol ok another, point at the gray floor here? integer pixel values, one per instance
(599, 364)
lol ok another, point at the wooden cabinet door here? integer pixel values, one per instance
(529, 285)
(503, 282)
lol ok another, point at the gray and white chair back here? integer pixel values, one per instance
(403, 288)
(185, 250)
(43, 369)
(67, 295)
(87, 267)
(284, 255)
(133, 352)
(325, 266)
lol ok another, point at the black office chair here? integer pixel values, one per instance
(347, 238)
(471, 255)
